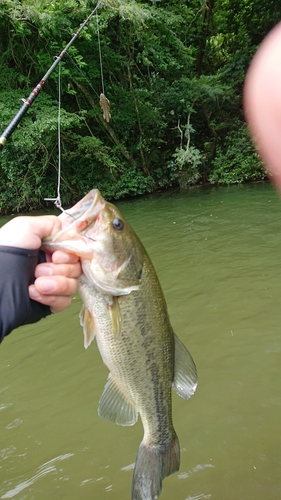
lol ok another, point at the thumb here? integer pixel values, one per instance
(28, 232)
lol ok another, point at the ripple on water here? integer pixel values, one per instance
(5, 406)
(42, 471)
(200, 496)
(197, 468)
(7, 452)
(14, 423)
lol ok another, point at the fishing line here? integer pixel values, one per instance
(57, 200)
(104, 102)
(99, 46)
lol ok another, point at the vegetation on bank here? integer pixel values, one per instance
(173, 72)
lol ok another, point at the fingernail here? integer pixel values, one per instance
(46, 285)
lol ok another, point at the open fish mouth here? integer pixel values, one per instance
(77, 219)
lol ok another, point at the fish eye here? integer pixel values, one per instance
(118, 224)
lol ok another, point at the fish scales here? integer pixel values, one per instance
(138, 380)
(125, 310)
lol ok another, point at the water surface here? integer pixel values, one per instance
(217, 252)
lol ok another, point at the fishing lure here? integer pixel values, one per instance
(105, 106)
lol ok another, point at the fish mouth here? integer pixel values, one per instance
(77, 219)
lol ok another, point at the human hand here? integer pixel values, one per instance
(55, 280)
(262, 101)
(28, 232)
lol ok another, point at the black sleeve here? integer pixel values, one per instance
(17, 266)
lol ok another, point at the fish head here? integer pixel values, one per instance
(110, 252)
(74, 221)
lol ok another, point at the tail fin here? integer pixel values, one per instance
(153, 464)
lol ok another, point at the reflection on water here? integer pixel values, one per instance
(42, 471)
(218, 255)
(200, 496)
(184, 475)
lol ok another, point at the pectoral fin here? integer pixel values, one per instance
(115, 315)
(115, 407)
(88, 324)
(186, 378)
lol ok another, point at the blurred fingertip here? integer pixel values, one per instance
(60, 257)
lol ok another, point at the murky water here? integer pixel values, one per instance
(218, 255)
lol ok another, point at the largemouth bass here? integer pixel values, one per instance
(125, 310)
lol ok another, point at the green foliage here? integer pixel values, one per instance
(130, 183)
(188, 161)
(237, 161)
(173, 72)
(28, 164)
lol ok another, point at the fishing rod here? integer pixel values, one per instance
(35, 92)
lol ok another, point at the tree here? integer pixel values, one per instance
(173, 74)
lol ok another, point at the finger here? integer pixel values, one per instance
(262, 101)
(60, 257)
(56, 303)
(56, 285)
(65, 270)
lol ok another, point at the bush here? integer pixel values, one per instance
(237, 161)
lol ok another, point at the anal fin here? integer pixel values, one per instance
(115, 407)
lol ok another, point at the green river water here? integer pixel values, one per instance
(217, 252)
